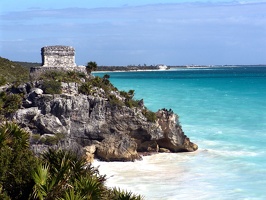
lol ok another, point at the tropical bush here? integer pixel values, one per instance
(97, 82)
(121, 195)
(114, 101)
(56, 174)
(63, 174)
(86, 88)
(129, 101)
(16, 162)
(9, 103)
(62, 76)
(151, 116)
(52, 87)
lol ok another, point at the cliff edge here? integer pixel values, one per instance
(101, 123)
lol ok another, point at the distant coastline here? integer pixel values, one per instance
(102, 69)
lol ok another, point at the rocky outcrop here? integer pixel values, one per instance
(97, 127)
(173, 133)
(118, 148)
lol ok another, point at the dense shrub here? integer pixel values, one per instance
(65, 175)
(114, 101)
(62, 76)
(124, 94)
(122, 194)
(131, 103)
(57, 174)
(9, 103)
(86, 88)
(52, 87)
(151, 116)
(97, 82)
(16, 162)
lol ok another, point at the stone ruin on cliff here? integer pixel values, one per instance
(58, 58)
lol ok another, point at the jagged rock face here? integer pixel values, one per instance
(118, 133)
(173, 133)
(118, 148)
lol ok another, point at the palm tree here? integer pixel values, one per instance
(131, 93)
(106, 79)
(91, 66)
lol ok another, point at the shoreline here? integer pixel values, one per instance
(177, 68)
(140, 70)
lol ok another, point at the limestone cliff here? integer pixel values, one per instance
(96, 126)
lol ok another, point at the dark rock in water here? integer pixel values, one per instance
(81, 122)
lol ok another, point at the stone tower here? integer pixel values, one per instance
(58, 56)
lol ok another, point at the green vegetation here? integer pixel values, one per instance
(56, 174)
(129, 101)
(124, 195)
(52, 80)
(12, 73)
(16, 162)
(63, 76)
(89, 87)
(9, 103)
(52, 87)
(151, 116)
(96, 84)
(48, 139)
(91, 66)
(61, 174)
(114, 101)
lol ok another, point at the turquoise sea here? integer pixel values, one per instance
(223, 111)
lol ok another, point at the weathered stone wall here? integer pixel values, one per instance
(58, 56)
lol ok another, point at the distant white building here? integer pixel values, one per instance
(162, 67)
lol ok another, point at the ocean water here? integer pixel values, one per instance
(223, 111)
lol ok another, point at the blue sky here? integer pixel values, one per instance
(171, 32)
